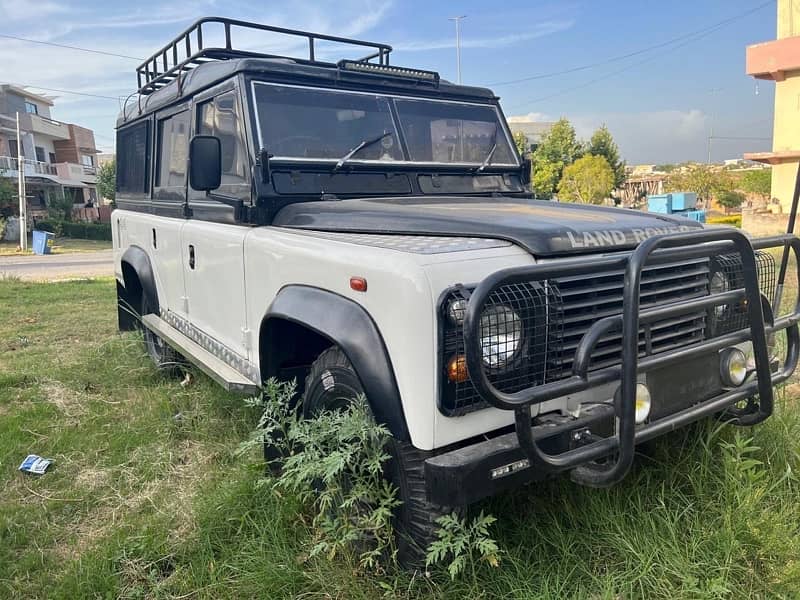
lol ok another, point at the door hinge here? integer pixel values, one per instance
(185, 301)
(246, 338)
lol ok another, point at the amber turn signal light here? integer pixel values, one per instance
(457, 369)
(359, 284)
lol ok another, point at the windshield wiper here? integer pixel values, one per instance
(489, 156)
(363, 144)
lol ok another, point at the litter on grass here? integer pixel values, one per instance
(35, 464)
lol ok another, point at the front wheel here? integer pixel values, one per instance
(333, 384)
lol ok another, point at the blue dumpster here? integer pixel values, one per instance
(42, 242)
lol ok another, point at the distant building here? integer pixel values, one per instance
(779, 61)
(56, 157)
(642, 170)
(534, 131)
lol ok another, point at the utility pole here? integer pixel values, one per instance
(458, 43)
(711, 122)
(23, 204)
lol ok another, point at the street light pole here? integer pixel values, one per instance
(458, 43)
(23, 217)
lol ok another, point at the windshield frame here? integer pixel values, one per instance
(501, 122)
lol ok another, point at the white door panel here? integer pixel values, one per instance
(215, 285)
(164, 254)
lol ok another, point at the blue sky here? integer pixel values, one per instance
(659, 104)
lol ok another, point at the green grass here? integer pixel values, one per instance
(60, 246)
(146, 498)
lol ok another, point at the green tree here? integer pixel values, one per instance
(521, 142)
(730, 199)
(603, 144)
(758, 181)
(59, 206)
(107, 180)
(559, 147)
(703, 180)
(8, 197)
(588, 180)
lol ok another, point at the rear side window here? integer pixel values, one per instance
(173, 150)
(220, 117)
(133, 158)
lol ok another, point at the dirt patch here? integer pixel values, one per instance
(171, 495)
(68, 401)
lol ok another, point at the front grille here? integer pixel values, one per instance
(584, 300)
(555, 315)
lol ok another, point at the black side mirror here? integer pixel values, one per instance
(205, 163)
(525, 170)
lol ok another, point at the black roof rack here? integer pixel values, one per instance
(188, 51)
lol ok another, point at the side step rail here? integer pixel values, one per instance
(220, 371)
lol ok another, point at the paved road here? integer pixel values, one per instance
(59, 266)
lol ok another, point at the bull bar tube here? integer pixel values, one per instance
(656, 250)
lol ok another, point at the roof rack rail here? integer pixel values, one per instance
(188, 51)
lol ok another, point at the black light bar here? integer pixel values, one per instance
(392, 71)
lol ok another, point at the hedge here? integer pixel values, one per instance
(83, 231)
(735, 220)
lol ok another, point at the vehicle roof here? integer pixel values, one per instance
(290, 71)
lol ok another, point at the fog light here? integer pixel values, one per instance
(733, 367)
(643, 403)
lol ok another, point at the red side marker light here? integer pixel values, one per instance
(358, 284)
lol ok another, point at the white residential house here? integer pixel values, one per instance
(57, 157)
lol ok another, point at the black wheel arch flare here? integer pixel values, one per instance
(349, 326)
(137, 260)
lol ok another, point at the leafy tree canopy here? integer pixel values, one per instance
(758, 181)
(588, 180)
(703, 180)
(603, 144)
(730, 199)
(8, 197)
(107, 180)
(559, 147)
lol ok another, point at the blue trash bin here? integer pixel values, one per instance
(42, 242)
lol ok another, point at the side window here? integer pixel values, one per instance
(173, 152)
(133, 158)
(220, 117)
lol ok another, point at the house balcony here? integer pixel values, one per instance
(9, 167)
(44, 126)
(773, 60)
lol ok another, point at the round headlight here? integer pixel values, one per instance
(733, 367)
(717, 285)
(501, 335)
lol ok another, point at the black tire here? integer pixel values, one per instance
(159, 351)
(332, 383)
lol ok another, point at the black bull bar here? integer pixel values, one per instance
(653, 251)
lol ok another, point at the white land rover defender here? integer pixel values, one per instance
(362, 227)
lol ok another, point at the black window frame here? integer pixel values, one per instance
(29, 105)
(140, 187)
(240, 190)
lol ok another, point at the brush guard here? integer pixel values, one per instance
(620, 447)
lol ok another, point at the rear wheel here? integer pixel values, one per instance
(159, 351)
(332, 384)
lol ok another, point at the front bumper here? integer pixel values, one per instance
(465, 474)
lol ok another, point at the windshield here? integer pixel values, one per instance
(303, 123)
(452, 133)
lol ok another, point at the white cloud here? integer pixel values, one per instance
(536, 31)
(651, 137)
(535, 117)
(13, 10)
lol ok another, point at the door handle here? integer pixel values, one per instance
(191, 256)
